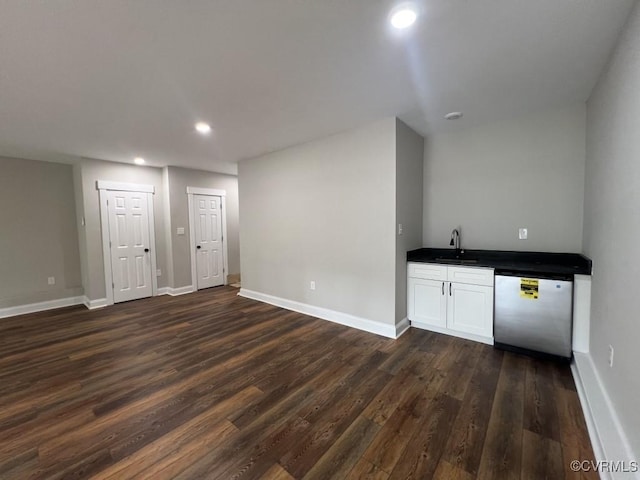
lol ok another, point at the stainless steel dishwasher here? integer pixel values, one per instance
(534, 312)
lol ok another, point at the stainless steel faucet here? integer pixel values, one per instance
(455, 240)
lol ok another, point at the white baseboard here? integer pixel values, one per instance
(360, 323)
(402, 326)
(607, 436)
(93, 304)
(453, 333)
(174, 292)
(40, 306)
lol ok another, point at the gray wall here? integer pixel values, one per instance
(324, 211)
(612, 225)
(409, 152)
(495, 178)
(168, 238)
(63, 196)
(179, 179)
(90, 235)
(39, 238)
(78, 195)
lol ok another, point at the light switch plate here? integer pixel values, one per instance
(523, 233)
(180, 231)
(51, 280)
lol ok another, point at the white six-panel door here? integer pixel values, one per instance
(208, 240)
(129, 245)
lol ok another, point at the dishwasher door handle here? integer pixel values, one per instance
(449, 289)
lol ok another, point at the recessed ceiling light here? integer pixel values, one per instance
(203, 128)
(453, 116)
(403, 18)
(138, 161)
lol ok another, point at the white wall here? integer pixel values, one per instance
(612, 225)
(38, 239)
(324, 211)
(492, 179)
(409, 152)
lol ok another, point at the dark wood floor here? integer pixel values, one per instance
(211, 385)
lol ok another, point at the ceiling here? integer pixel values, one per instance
(119, 78)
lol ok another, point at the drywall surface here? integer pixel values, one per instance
(179, 179)
(612, 226)
(324, 211)
(39, 238)
(90, 172)
(409, 153)
(169, 277)
(78, 195)
(493, 179)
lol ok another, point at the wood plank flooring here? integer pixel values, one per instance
(211, 385)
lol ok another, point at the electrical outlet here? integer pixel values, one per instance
(610, 355)
(51, 280)
(312, 285)
(523, 234)
(158, 273)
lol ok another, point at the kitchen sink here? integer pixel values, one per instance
(457, 261)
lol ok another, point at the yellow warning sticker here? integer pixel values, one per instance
(529, 288)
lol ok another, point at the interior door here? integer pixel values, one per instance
(129, 245)
(208, 233)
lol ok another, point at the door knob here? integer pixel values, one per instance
(146, 250)
(198, 247)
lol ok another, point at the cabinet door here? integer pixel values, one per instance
(427, 303)
(470, 309)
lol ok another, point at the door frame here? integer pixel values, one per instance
(213, 192)
(104, 187)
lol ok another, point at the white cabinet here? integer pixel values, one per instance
(455, 300)
(470, 309)
(428, 271)
(427, 302)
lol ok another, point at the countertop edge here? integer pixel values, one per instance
(503, 261)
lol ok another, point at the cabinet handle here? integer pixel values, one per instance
(449, 289)
(443, 288)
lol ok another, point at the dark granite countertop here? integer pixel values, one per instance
(506, 261)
